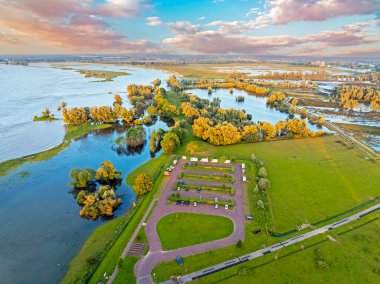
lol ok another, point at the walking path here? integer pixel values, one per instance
(213, 269)
(156, 255)
(128, 246)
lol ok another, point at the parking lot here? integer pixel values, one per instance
(193, 200)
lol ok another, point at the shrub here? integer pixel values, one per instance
(262, 172)
(239, 244)
(260, 204)
(264, 184)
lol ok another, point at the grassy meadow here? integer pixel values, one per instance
(186, 229)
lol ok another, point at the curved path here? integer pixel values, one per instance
(156, 255)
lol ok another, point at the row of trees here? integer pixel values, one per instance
(351, 96)
(96, 202)
(225, 133)
(295, 75)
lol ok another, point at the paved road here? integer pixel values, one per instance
(128, 246)
(362, 146)
(156, 255)
(213, 269)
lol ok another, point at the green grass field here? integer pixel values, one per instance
(352, 258)
(311, 179)
(207, 177)
(185, 229)
(126, 274)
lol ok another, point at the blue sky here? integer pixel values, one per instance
(273, 27)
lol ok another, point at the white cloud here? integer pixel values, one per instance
(153, 21)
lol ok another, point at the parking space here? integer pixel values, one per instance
(207, 193)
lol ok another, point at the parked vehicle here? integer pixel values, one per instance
(249, 217)
(178, 202)
(186, 188)
(179, 260)
(216, 206)
(178, 188)
(195, 204)
(198, 189)
(182, 202)
(187, 203)
(226, 206)
(216, 199)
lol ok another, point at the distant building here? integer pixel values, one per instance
(318, 63)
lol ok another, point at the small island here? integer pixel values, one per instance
(105, 76)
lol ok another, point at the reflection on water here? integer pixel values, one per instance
(27, 90)
(252, 104)
(41, 230)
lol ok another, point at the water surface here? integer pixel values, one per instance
(41, 230)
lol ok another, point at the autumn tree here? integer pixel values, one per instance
(303, 112)
(118, 99)
(75, 116)
(170, 142)
(143, 184)
(268, 130)
(107, 173)
(223, 134)
(156, 82)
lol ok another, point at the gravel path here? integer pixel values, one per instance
(155, 255)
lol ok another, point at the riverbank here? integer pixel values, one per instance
(118, 231)
(72, 132)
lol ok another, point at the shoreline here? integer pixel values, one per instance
(73, 132)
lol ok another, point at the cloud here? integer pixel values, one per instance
(252, 11)
(359, 52)
(216, 42)
(153, 21)
(201, 18)
(75, 27)
(8, 39)
(280, 12)
(217, 1)
(183, 27)
(228, 38)
(349, 35)
(120, 8)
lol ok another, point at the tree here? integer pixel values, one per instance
(170, 142)
(143, 184)
(81, 178)
(117, 99)
(303, 112)
(264, 184)
(191, 147)
(268, 130)
(262, 172)
(135, 136)
(260, 204)
(107, 173)
(156, 82)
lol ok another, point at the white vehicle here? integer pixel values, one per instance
(178, 188)
(216, 199)
(216, 206)
(226, 206)
(195, 204)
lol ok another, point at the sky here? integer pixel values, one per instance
(321, 28)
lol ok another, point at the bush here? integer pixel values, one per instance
(264, 184)
(260, 204)
(239, 244)
(262, 172)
